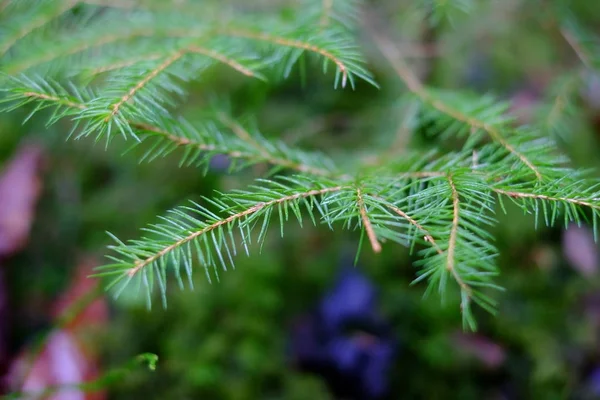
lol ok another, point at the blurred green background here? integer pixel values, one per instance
(228, 339)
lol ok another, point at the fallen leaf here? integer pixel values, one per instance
(66, 358)
(95, 313)
(580, 249)
(4, 350)
(61, 363)
(20, 187)
(481, 348)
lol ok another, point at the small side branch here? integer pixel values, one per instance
(125, 63)
(325, 16)
(141, 84)
(522, 195)
(244, 135)
(450, 259)
(367, 223)
(223, 59)
(181, 141)
(298, 44)
(412, 221)
(391, 53)
(57, 100)
(232, 218)
(577, 48)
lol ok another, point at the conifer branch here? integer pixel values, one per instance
(61, 7)
(298, 44)
(139, 265)
(151, 75)
(366, 222)
(179, 141)
(124, 64)
(55, 99)
(223, 59)
(391, 53)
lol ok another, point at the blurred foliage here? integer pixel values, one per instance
(229, 340)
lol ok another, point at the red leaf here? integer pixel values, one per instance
(481, 348)
(20, 187)
(61, 363)
(65, 358)
(95, 313)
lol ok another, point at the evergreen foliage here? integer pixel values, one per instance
(119, 70)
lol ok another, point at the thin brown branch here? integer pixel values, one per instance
(366, 222)
(290, 43)
(46, 97)
(36, 23)
(125, 64)
(391, 53)
(412, 221)
(325, 15)
(141, 84)
(114, 3)
(522, 195)
(255, 208)
(222, 58)
(244, 135)
(576, 46)
(450, 259)
(4, 4)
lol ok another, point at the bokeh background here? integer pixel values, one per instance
(232, 339)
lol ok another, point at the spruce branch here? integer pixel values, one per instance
(391, 53)
(170, 134)
(204, 233)
(139, 85)
(342, 67)
(43, 12)
(121, 64)
(207, 38)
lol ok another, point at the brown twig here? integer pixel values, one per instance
(222, 58)
(450, 259)
(522, 195)
(366, 222)
(576, 46)
(412, 221)
(325, 15)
